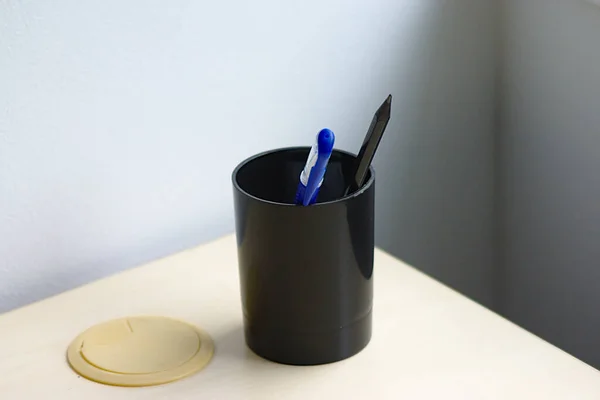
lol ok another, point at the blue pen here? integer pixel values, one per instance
(311, 176)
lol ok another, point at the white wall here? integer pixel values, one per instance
(120, 123)
(551, 172)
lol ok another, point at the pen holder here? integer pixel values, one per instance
(306, 273)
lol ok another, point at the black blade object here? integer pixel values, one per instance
(370, 143)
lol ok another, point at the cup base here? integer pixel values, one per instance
(312, 348)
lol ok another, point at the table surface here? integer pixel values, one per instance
(429, 342)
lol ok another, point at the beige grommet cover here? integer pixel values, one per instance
(140, 351)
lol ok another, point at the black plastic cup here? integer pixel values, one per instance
(306, 273)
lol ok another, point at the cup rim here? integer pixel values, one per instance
(357, 193)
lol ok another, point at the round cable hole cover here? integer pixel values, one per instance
(140, 351)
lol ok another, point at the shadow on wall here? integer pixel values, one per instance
(550, 162)
(435, 167)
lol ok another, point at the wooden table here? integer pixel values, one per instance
(429, 342)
